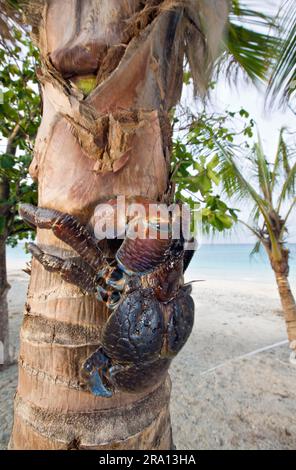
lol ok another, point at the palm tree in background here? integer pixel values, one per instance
(271, 187)
(140, 71)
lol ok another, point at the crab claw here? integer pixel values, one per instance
(92, 371)
(97, 387)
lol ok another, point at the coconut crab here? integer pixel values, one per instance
(151, 310)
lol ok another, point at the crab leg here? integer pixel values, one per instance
(68, 229)
(68, 269)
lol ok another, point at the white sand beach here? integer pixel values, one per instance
(223, 397)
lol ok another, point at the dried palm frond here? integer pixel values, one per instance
(204, 22)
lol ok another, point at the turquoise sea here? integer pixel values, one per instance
(212, 261)
(233, 262)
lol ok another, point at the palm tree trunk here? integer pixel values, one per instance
(11, 149)
(4, 286)
(4, 321)
(288, 304)
(281, 271)
(115, 141)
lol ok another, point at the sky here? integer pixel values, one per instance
(269, 122)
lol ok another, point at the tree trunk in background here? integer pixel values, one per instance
(4, 320)
(4, 286)
(288, 304)
(115, 141)
(11, 149)
(281, 271)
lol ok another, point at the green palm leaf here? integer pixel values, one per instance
(256, 248)
(289, 186)
(263, 173)
(251, 43)
(241, 186)
(283, 80)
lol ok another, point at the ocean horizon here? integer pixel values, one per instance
(211, 261)
(235, 262)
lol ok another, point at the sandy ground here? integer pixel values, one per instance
(223, 396)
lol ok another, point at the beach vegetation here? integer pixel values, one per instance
(20, 118)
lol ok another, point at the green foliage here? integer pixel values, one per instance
(251, 42)
(196, 161)
(20, 118)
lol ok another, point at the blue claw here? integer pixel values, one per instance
(92, 369)
(97, 387)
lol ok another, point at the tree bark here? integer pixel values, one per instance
(4, 320)
(281, 271)
(115, 141)
(11, 148)
(288, 304)
(4, 286)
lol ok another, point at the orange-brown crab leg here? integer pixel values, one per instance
(68, 229)
(92, 272)
(71, 270)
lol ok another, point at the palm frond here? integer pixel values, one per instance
(250, 44)
(255, 214)
(205, 24)
(280, 158)
(256, 248)
(254, 230)
(282, 85)
(236, 184)
(263, 173)
(231, 183)
(289, 212)
(244, 185)
(289, 186)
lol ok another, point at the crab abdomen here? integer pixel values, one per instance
(135, 378)
(134, 331)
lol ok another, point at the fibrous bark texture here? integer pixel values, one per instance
(4, 320)
(281, 270)
(111, 71)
